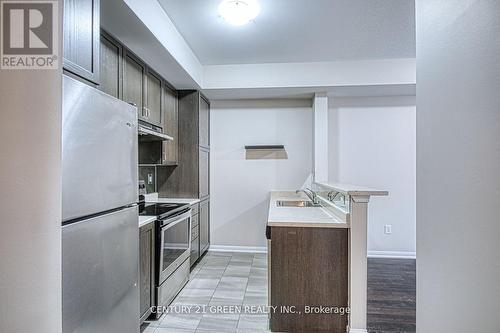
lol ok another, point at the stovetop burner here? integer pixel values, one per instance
(160, 209)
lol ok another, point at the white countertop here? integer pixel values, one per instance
(143, 220)
(153, 197)
(350, 189)
(317, 217)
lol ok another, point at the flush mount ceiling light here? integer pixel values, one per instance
(239, 12)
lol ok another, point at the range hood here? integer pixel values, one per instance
(149, 133)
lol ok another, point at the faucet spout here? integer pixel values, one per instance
(310, 194)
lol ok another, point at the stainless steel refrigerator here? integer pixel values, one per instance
(100, 237)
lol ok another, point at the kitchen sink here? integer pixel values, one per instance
(296, 203)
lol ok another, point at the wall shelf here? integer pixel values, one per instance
(265, 147)
(266, 152)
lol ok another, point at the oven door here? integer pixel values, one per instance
(175, 236)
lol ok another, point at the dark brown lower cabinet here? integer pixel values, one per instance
(146, 269)
(195, 251)
(204, 226)
(309, 271)
(195, 240)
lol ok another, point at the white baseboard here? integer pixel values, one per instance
(263, 249)
(357, 330)
(231, 248)
(392, 254)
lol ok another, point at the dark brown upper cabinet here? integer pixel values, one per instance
(111, 66)
(81, 36)
(133, 82)
(170, 114)
(204, 122)
(152, 97)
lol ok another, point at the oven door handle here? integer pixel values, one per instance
(168, 223)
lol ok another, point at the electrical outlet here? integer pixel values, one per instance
(150, 178)
(388, 229)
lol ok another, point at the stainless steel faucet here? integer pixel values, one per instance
(310, 194)
(332, 195)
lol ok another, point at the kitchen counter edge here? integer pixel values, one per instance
(276, 214)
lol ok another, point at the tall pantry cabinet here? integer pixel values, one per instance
(190, 178)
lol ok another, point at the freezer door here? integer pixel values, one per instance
(99, 151)
(100, 274)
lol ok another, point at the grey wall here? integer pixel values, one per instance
(458, 166)
(30, 205)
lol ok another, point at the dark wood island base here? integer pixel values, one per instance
(308, 279)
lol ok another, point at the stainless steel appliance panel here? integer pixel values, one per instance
(99, 151)
(100, 267)
(175, 243)
(174, 284)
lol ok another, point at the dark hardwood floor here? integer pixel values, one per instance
(391, 295)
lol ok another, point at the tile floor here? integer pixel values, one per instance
(220, 285)
(221, 282)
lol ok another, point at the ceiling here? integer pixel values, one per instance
(298, 31)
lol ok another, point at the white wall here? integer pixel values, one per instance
(239, 187)
(372, 143)
(30, 205)
(312, 74)
(458, 164)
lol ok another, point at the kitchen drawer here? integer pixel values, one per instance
(195, 209)
(195, 251)
(204, 226)
(195, 233)
(195, 221)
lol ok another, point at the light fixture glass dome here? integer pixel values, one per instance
(239, 12)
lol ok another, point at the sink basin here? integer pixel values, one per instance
(297, 203)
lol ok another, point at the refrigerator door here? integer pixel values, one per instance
(99, 151)
(100, 264)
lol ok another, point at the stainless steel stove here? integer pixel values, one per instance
(173, 241)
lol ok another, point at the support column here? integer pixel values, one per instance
(358, 262)
(320, 109)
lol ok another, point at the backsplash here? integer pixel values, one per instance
(148, 174)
